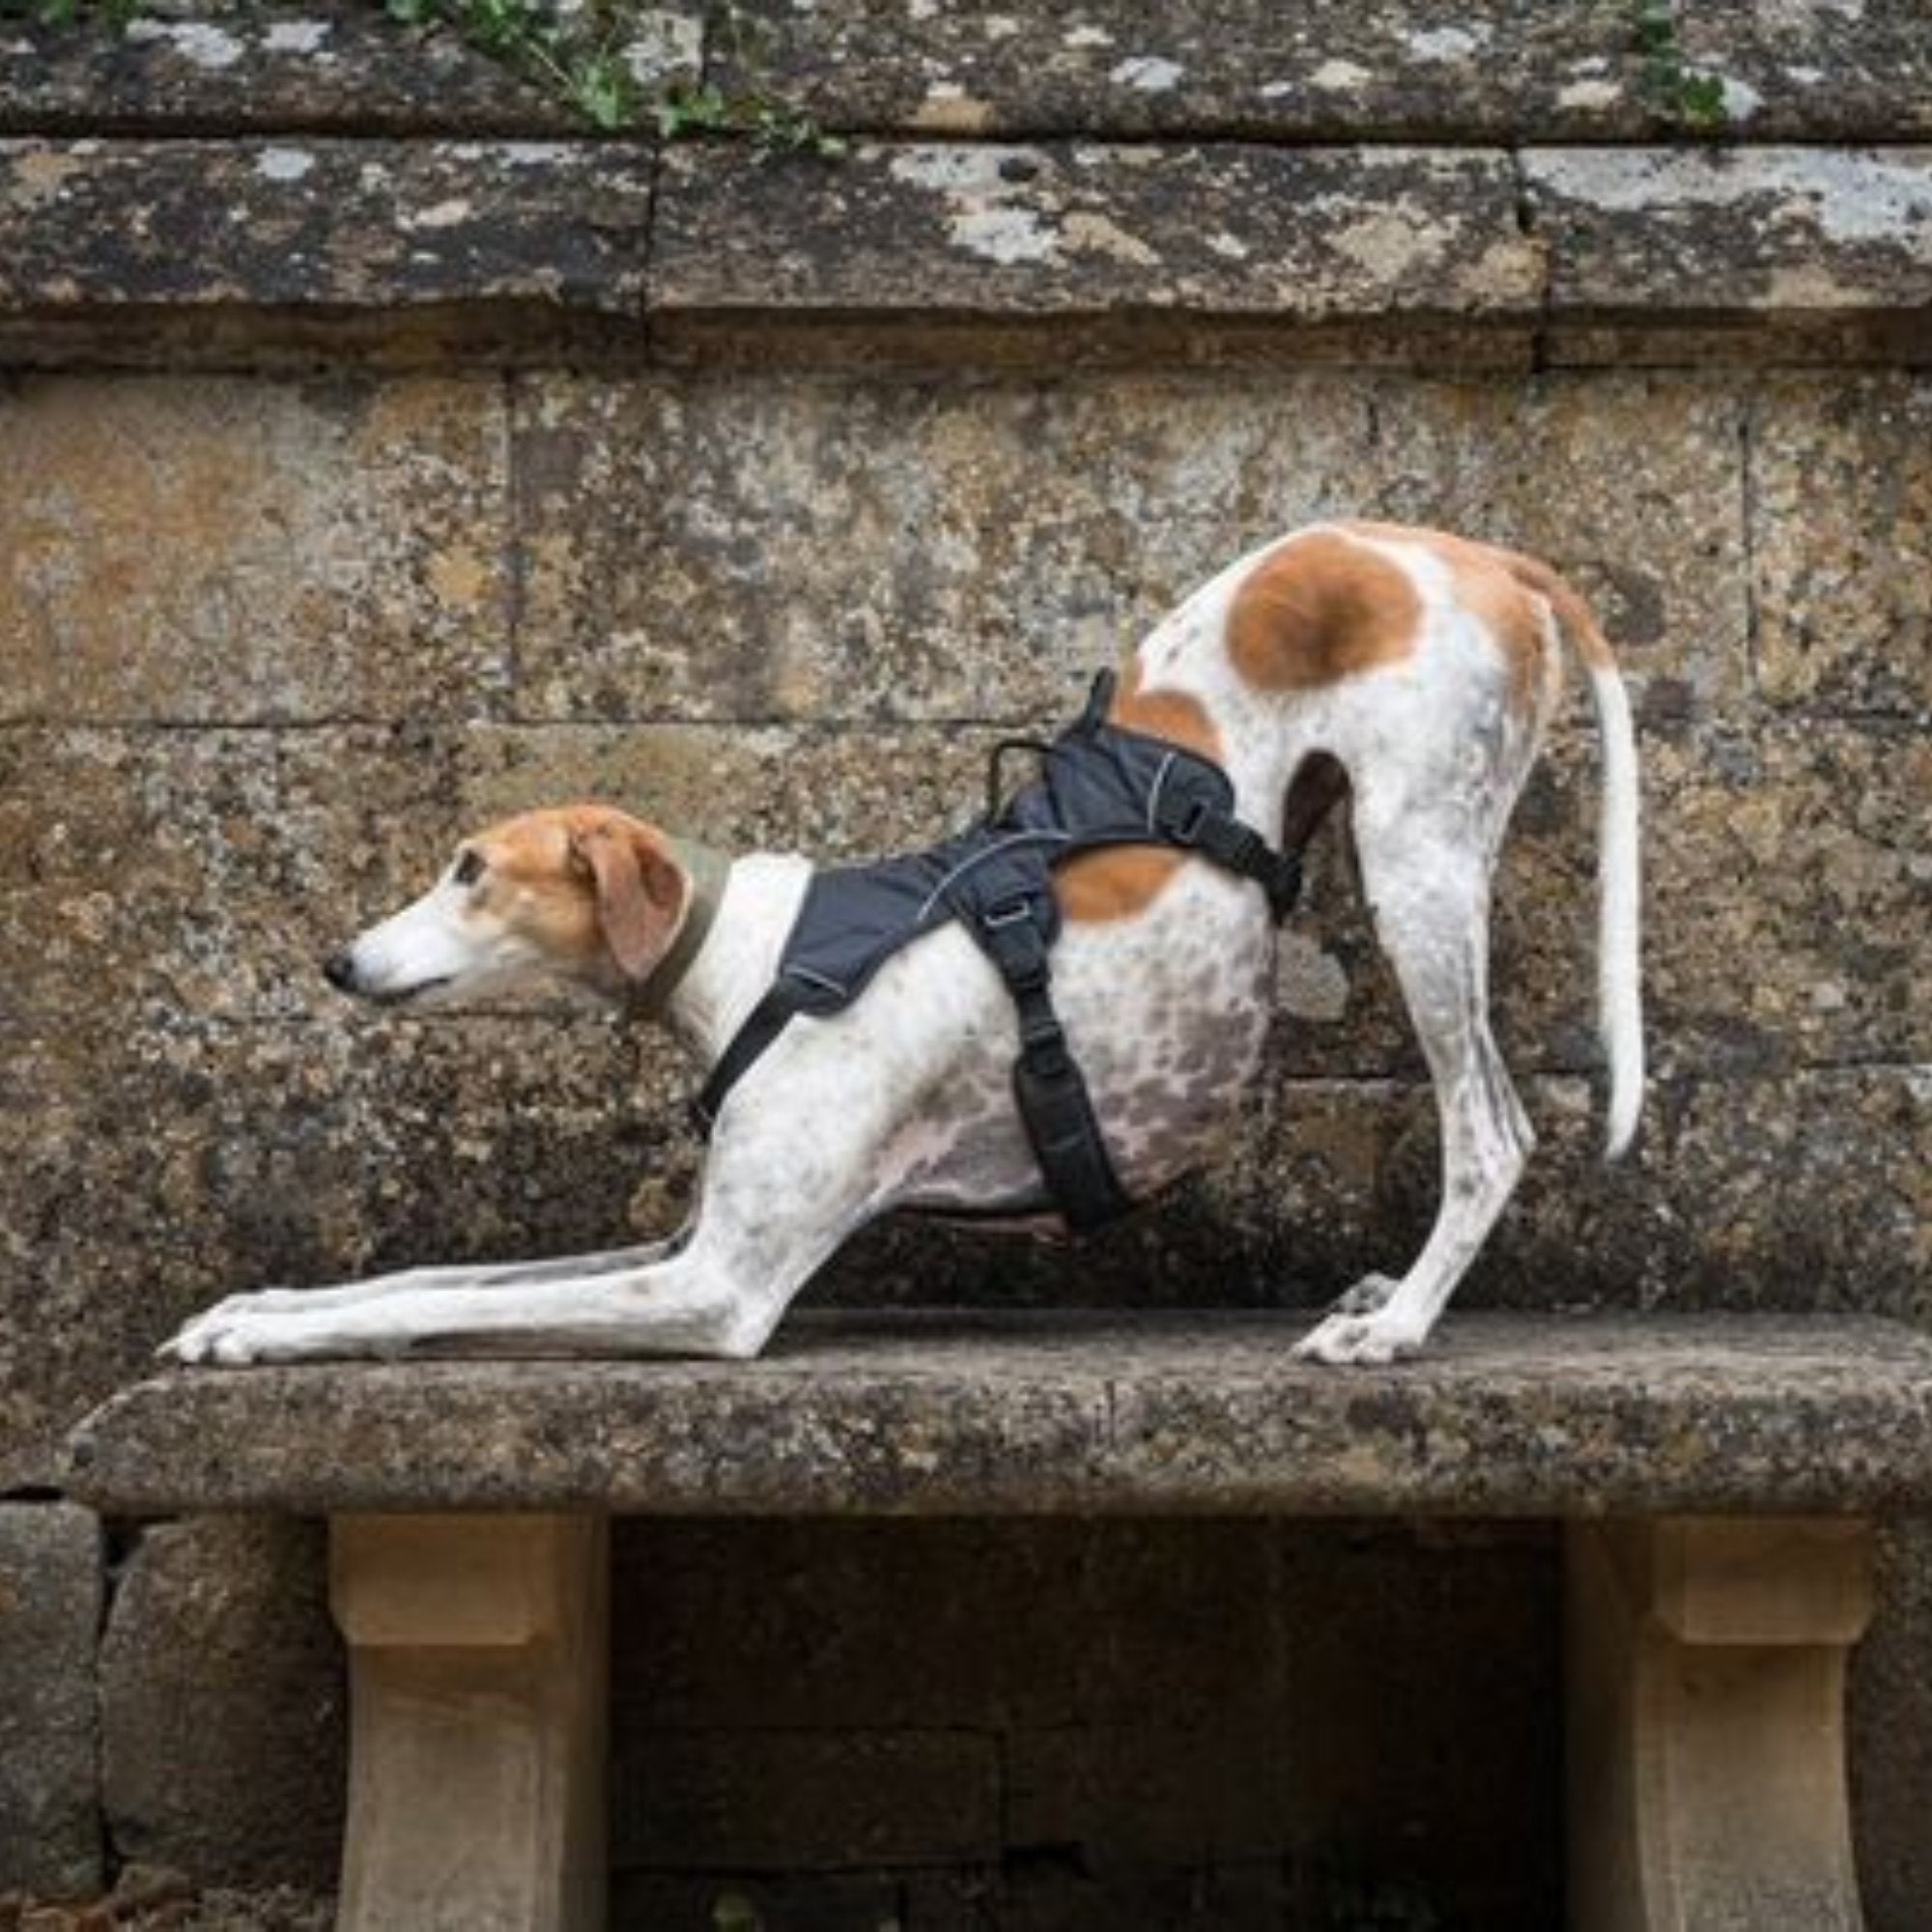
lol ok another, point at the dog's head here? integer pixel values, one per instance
(582, 893)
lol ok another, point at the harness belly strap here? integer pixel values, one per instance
(1101, 786)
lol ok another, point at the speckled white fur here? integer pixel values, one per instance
(904, 1100)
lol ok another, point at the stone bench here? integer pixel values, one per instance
(1717, 1478)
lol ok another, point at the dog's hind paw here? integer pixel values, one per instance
(1357, 1341)
(1369, 1297)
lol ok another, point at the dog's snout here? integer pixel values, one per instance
(339, 970)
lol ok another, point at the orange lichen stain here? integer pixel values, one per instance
(459, 578)
(1318, 609)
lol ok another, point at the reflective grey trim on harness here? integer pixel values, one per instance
(1099, 786)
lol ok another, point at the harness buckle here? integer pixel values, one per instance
(1186, 830)
(1007, 912)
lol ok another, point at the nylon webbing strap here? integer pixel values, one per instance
(1186, 817)
(1054, 1103)
(767, 1020)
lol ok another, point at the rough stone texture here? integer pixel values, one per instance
(147, 1174)
(1194, 1717)
(1047, 255)
(964, 554)
(956, 1416)
(52, 1581)
(1841, 544)
(222, 1704)
(292, 66)
(1832, 244)
(204, 553)
(1255, 69)
(222, 251)
(1259, 70)
(1397, 245)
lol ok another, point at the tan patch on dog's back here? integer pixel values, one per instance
(1126, 879)
(1318, 609)
(1511, 592)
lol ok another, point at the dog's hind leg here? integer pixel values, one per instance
(1428, 886)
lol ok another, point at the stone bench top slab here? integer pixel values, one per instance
(1508, 1415)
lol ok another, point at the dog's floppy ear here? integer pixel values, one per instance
(640, 892)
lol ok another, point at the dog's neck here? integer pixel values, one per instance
(722, 957)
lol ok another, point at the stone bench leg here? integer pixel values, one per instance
(1706, 1672)
(477, 1650)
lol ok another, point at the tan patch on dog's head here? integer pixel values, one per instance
(587, 885)
(1318, 609)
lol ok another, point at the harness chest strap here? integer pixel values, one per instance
(1102, 785)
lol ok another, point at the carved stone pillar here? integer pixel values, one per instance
(478, 1651)
(1706, 1671)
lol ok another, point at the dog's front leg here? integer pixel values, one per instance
(410, 1281)
(778, 1198)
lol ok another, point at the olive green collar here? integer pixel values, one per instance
(707, 870)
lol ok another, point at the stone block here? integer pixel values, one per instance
(1824, 252)
(187, 878)
(189, 551)
(1841, 544)
(862, 551)
(52, 1584)
(837, 794)
(866, 550)
(810, 1800)
(223, 1712)
(1415, 252)
(1784, 873)
(1253, 69)
(399, 251)
(316, 66)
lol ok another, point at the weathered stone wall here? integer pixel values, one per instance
(371, 469)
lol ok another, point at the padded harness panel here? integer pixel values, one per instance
(1098, 785)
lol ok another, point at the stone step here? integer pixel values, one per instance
(1250, 70)
(240, 253)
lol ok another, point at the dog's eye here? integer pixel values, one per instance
(469, 868)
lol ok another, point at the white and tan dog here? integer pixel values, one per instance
(1412, 672)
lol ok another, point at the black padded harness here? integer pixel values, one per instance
(1098, 785)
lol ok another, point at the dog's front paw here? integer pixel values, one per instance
(270, 1326)
(1358, 1341)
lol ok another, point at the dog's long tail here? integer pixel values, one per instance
(1619, 970)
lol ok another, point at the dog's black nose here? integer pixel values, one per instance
(339, 970)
